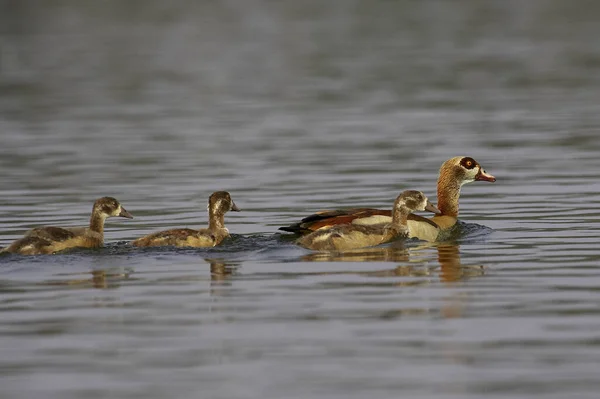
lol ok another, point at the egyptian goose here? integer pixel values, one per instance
(219, 203)
(453, 174)
(50, 239)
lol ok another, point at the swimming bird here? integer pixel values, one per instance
(353, 236)
(453, 174)
(219, 203)
(51, 239)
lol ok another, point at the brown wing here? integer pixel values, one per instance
(30, 246)
(167, 237)
(332, 218)
(56, 234)
(178, 234)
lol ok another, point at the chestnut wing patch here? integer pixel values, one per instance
(331, 218)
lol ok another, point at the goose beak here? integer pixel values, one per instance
(482, 175)
(431, 208)
(234, 207)
(125, 214)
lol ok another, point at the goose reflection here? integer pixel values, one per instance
(416, 261)
(451, 267)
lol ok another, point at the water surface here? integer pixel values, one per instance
(295, 107)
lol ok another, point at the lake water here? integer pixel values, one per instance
(295, 107)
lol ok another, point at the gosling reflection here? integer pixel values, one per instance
(397, 253)
(221, 271)
(99, 279)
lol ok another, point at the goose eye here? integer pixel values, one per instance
(468, 163)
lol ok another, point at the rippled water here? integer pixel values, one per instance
(295, 107)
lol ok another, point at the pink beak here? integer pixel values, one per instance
(484, 176)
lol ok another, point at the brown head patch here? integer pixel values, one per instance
(106, 205)
(220, 202)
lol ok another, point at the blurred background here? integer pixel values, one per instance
(111, 93)
(294, 106)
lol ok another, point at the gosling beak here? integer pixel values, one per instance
(125, 214)
(431, 208)
(482, 175)
(234, 207)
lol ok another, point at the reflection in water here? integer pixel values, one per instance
(100, 278)
(221, 271)
(415, 262)
(397, 253)
(448, 256)
(451, 267)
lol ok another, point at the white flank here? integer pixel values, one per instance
(373, 220)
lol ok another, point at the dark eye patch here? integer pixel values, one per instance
(412, 204)
(468, 163)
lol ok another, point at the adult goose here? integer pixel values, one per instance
(453, 174)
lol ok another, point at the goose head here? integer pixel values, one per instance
(220, 202)
(464, 170)
(413, 200)
(109, 207)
